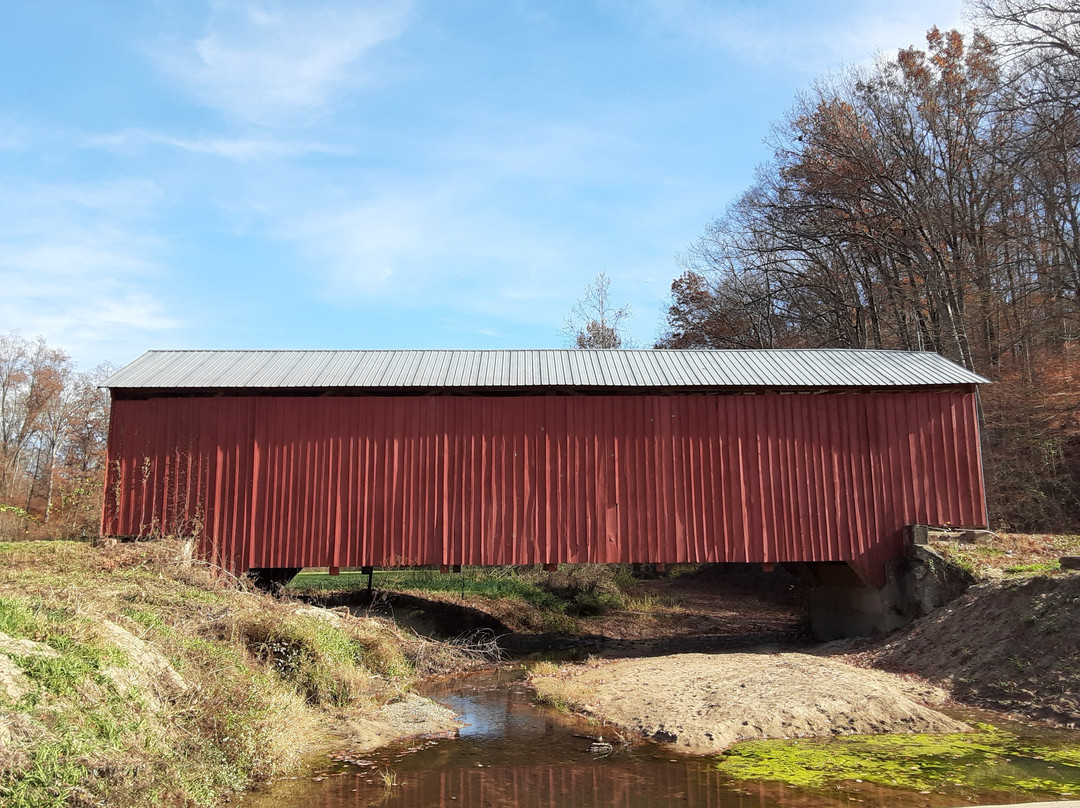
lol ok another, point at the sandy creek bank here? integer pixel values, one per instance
(687, 672)
(705, 703)
(413, 716)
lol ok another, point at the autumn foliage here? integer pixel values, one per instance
(931, 202)
(53, 425)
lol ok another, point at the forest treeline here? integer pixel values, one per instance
(53, 427)
(929, 202)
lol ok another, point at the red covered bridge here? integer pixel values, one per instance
(279, 459)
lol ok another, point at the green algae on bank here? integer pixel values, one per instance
(989, 759)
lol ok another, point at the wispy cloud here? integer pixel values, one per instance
(502, 146)
(13, 136)
(363, 245)
(429, 245)
(463, 327)
(451, 239)
(764, 34)
(243, 150)
(268, 61)
(73, 270)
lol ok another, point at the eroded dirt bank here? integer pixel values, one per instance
(1006, 645)
(704, 703)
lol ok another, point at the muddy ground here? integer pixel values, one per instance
(714, 609)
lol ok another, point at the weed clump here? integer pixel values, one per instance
(589, 590)
(329, 661)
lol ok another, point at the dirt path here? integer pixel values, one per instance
(704, 703)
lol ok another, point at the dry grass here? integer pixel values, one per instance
(544, 667)
(156, 662)
(1007, 555)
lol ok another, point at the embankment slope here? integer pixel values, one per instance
(130, 678)
(1005, 645)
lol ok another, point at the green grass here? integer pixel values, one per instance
(573, 590)
(48, 781)
(1039, 568)
(262, 681)
(18, 619)
(989, 759)
(86, 716)
(322, 662)
(474, 581)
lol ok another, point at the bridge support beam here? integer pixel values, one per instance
(842, 605)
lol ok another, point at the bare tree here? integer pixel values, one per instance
(927, 203)
(594, 321)
(1040, 40)
(53, 425)
(31, 380)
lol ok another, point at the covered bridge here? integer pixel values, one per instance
(286, 459)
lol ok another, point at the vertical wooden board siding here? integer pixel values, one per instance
(346, 481)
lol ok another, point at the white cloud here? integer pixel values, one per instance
(73, 270)
(502, 147)
(111, 200)
(242, 150)
(440, 245)
(365, 244)
(268, 61)
(13, 137)
(464, 327)
(814, 40)
(454, 240)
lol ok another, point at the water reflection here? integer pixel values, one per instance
(614, 786)
(618, 785)
(512, 754)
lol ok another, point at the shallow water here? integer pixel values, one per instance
(513, 753)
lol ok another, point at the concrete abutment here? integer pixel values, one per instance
(841, 604)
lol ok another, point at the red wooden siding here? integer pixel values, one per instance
(349, 481)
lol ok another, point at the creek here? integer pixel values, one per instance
(511, 752)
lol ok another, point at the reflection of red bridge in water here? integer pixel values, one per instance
(285, 460)
(611, 784)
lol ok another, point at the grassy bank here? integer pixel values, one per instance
(529, 598)
(1010, 555)
(130, 678)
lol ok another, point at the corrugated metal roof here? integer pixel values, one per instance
(522, 369)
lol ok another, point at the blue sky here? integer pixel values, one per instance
(383, 174)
